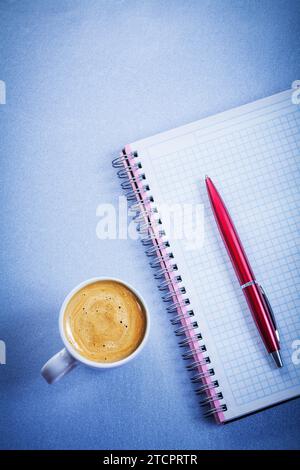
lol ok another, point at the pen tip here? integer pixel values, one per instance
(207, 177)
(277, 358)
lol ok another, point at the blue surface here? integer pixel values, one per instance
(83, 78)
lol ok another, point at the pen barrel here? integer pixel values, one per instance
(235, 251)
(230, 236)
(261, 316)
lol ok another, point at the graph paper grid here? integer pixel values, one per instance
(252, 155)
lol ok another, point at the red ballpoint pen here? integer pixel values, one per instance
(256, 298)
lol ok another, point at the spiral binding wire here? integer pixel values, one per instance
(171, 285)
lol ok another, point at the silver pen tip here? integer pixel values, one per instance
(277, 358)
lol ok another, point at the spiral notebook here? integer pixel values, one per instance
(252, 154)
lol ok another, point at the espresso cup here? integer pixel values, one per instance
(69, 357)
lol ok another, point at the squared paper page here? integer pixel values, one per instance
(251, 155)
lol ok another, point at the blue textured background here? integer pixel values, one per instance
(83, 78)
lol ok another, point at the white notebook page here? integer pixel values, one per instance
(252, 154)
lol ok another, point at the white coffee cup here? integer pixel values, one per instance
(68, 358)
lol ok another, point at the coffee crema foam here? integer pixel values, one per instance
(105, 321)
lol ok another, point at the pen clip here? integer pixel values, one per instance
(271, 313)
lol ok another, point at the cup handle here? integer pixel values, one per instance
(59, 365)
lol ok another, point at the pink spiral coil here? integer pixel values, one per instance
(174, 293)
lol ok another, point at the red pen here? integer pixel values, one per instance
(256, 298)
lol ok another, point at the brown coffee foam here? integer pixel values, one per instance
(104, 321)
